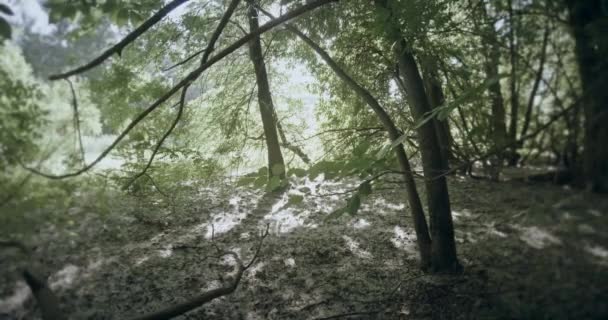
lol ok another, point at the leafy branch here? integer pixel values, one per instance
(186, 81)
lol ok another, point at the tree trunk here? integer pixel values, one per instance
(512, 156)
(420, 224)
(497, 125)
(442, 127)
(537, 79)
(443, 246)
(443, 250)
(587, 19)
(276, 165)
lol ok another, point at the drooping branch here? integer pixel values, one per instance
(16, 189)
(117, 48)
(180, 111)
(193, 75)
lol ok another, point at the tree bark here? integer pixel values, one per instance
(587, 18)
(442, 127)
(276, 164)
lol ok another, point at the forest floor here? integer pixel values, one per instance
(529, 251)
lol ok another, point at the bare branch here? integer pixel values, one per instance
(15, 244)
(180, 111)
(218, 31)
(521, 140)
(228, 288)
(537, 79)
(117, 48)
(190, 57)
(355, 129)
(214, 37)
(263, 236)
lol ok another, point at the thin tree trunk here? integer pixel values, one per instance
(437, 99)
(538, 78)
(276, 164)
(513, 157)
(591, 47)
(443, 252)
(420, 224)
(498, 126)
(443, 246)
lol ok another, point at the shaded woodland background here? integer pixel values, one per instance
(316, 159)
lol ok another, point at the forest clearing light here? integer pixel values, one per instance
(538, 238)
(20, 295)
(598, 252)
(403, 240)
(166, 252)
(361, 224)
(355, 247)
(64, 278)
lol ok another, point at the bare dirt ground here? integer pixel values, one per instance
(528, 251)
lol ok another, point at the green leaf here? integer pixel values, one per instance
(362, 148)
(6, 10)
(442, 112)
(335, 214)
(353, 205)
(277, 169)
(365, 189)
(263, 171)
(298, 172)
(274, 183)
(383, 151)
(260, 182)
(244, 181)
(295, 199)
(5, 29)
